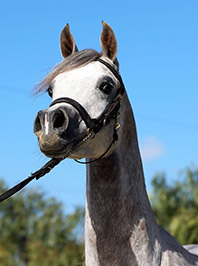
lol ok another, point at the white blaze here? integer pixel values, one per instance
(46, 125)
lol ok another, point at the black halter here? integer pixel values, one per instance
(110, 113)
(93, 127)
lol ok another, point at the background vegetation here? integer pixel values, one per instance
(176, 206)
(34, 230)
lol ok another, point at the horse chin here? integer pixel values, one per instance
(69, 150)
(58, 151)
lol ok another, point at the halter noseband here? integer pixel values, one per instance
(93, 127)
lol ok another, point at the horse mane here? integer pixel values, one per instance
(75, 60)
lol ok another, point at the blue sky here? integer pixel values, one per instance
(158, 55)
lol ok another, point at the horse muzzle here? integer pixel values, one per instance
(54, 130)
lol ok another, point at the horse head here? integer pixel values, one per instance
(86, 92)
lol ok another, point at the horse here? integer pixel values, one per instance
(91, 117)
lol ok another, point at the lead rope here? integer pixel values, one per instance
(46, 169)
(38, 174)
(50, 165)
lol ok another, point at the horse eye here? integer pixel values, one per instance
(106, 87)
(49, 91)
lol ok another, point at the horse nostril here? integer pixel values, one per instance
(60, 121)
(37, 123)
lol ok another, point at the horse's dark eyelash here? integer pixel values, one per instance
(50, 91)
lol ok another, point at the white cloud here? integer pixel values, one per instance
(151, 148)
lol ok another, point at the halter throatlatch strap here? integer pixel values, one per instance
(93, 127)
(115, 138)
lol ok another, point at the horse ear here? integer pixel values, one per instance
(108, 42)
(67, 43)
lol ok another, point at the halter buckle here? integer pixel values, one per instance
(119, 97)
(117, 126)
(90, 134)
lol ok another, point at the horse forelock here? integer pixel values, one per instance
(75, 60)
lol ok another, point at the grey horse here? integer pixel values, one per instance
(120, 228)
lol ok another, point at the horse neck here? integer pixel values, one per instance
(118, 213)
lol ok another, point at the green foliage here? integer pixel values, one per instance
(176, 206)
(35, 231)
